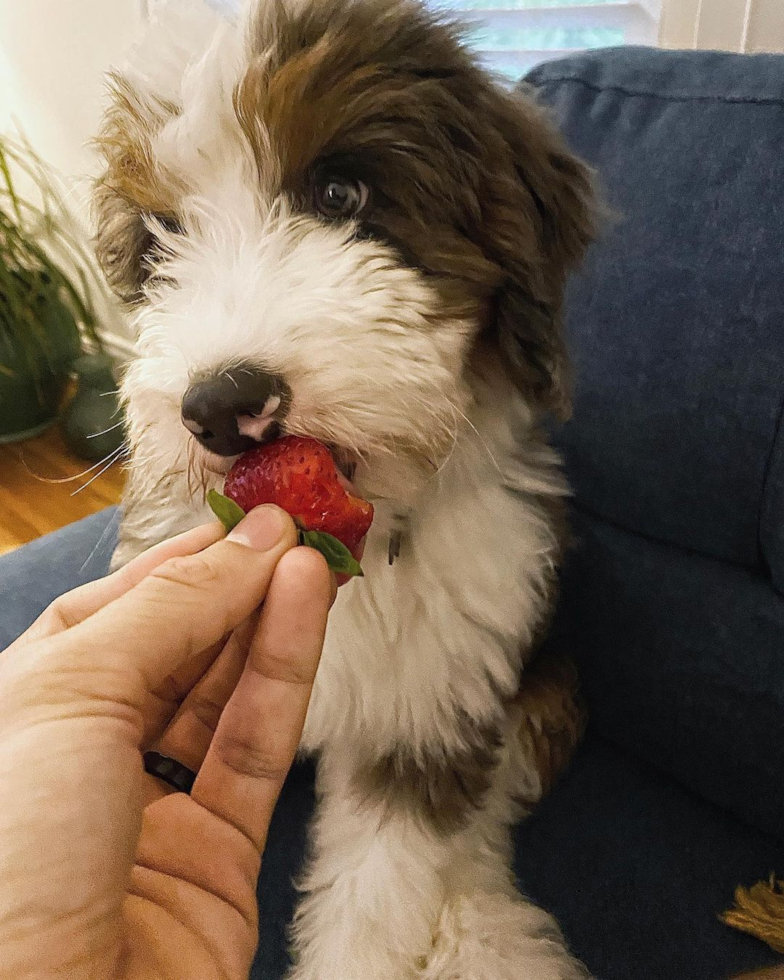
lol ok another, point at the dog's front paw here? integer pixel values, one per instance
(499, 937)
(356, 960)
(347, 968)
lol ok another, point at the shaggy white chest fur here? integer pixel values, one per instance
(442, 629)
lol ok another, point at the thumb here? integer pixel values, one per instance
(184, 607)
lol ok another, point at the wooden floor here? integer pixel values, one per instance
(40, 489)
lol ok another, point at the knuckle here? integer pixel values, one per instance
(193, 572)
(207, 712)
(250, 760)
(286, 664)
(170, 692)
(59, 614)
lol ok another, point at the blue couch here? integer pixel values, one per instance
(673, 597)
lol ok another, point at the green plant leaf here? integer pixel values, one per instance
(339, 558)
(227, 512)
(6, 172)
(45, 241)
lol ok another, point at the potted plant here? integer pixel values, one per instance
(48, 281)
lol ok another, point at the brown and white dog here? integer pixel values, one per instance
(333, 220)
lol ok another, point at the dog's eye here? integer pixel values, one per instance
(339, 198)
(171, 224)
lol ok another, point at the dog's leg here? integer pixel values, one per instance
(487, 930)
(374, 888)
(408, 880)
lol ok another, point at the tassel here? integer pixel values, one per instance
(399, 527)
(759, 910)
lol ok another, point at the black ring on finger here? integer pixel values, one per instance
(173, 773)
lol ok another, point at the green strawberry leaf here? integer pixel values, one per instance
(339, 558)
(227, 512)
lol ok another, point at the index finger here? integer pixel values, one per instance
(127, 649)
(79, 604)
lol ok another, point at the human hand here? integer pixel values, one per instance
(103, 872)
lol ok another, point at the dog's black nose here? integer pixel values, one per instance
(235, 410)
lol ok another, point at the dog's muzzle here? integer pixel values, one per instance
(236, 409)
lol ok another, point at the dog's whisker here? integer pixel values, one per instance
(190, 468)
(105, 534)
(138, 460)
(454, 434)
(112, 459)
(103, 432)
(479, 436)
(69, 479)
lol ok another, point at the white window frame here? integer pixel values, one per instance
(727, 25)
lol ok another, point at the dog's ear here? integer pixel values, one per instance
(129, 188)
(144, 93)
(539, 215)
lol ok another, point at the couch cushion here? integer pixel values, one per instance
(637, 870)
(681, 658)
(672, 601)
(677, 323)
(771, 523)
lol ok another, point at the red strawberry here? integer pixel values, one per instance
(299, 475)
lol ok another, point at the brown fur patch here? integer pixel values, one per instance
(554, 717)
(132, 186)
(442, 789)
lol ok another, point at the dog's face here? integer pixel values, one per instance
(320, 225)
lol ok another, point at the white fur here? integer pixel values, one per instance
(450, 616)
(412, 645)
(174, 33)
(385, 898)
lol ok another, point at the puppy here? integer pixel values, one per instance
(333, 220)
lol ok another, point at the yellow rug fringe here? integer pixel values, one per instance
(759, 910)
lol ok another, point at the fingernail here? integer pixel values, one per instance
(261, 530)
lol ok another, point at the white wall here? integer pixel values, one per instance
(53, 57)
(53, 54)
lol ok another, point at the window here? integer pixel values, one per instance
(225, 6)
(514, 35)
